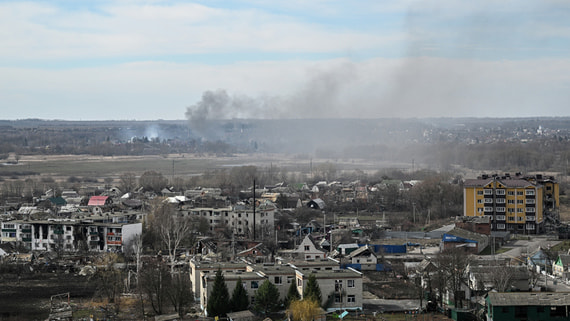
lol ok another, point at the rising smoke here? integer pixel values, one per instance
(318, 98)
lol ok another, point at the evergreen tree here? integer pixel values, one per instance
(312, 290)
(267, 297)
(218, 302)
(240, 300)
(292, 294)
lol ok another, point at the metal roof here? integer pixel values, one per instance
(529, 298)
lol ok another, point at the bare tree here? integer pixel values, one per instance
(128, 182)
(179, 292)
(153, 181)
(453, 263)
(174, 231)
(155, 281)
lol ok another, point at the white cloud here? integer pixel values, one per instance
(418, 87)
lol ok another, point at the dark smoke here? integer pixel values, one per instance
(318, 98)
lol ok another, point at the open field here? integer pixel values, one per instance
(173, 164)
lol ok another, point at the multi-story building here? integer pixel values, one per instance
(241, 220)
(340, 289)
(199, 270)
(513, 204)
(69, 234)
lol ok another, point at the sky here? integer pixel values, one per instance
(173, 60)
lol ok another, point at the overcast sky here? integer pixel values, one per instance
(148, 60)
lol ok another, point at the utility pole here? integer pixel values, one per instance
(254, 209)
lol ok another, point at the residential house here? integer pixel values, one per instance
(309, 249)
(561, 267)
(540, 260)
(316, 204)
(363, 259)
(482, 279)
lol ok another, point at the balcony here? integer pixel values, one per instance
(531, 218)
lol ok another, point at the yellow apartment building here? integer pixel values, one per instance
(513, 204)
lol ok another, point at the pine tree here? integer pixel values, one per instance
(267, 297)
(312, 290)
(292, 294)
(240, 300)
(218, 302)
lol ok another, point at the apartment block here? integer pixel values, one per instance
(515, 204)
(241, 220)
(69, 235)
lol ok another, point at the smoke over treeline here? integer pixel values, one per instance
(320, 97)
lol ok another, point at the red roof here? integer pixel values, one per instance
(97, 200)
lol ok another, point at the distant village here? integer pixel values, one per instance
(501, 257)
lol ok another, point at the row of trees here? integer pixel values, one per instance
(266, 298)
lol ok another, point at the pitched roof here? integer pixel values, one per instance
(59, 201)
(363, 250)
(97, 200)
(529, 298)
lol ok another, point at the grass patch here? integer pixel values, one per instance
(561, 247)
(487, 250)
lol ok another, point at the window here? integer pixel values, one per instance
(350, 283)
(488, 191)
(254, 284)
(510, 201)
(307, 248)
(479, 201)
(530, 209)
(351, 299)
(337, 298)
(530, 192)
(488, 200)
(337, 285)
(530, 201)
(500, 192)
(500, 201)
(520, 201)
(299, 282)
(501, 217)
(501, 209)
(519, 210)
(511, 210)
(479, 192)
(500, 226)
(278, 280)
(520, 311)
(511, 193)
(519, 193)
